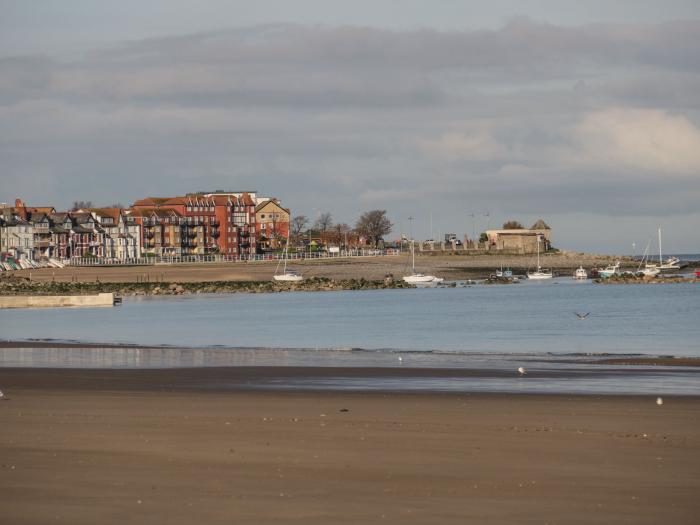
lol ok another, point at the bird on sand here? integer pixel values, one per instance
(521, 371)
(582, 316)
(2, 396)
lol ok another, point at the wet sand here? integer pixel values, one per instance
(85, 447)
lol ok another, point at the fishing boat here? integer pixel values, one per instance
(541, 273)
(504, 274)
(580, 274)
(609, 271)
(288, 275)
(419, 278)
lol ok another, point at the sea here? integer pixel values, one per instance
(561, 331)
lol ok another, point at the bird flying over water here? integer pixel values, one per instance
(521, 371)
(582, 316)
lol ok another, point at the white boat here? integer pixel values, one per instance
(609, 271)
(419, 278)
(504, 274)
(670, 264)
(541, 273)
(649, 269)
(287, 275)
(580, 274)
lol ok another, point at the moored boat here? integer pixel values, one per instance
(609, 271)
(580, 274)
(419, 278)
(541, 273)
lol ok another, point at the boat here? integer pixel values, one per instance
(288, 275)
(672, 263)
(609, 271)
(419, 278)
(649, 269)
(697, 272)
(580, 274)
(504, 274)
(541, 273)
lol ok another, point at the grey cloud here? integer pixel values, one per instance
(360, 117)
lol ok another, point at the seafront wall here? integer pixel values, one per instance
(54, 301)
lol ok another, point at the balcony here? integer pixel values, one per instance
(215, 233)
(244, 234)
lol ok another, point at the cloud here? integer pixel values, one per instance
(590, 119)
(650, 140)
(476, 146)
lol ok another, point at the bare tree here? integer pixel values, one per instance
(373, 225)
(297, 225)
(81, 205)
(339, 233)
(513, 225)
(323, 224)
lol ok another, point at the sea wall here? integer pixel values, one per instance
(54, 301)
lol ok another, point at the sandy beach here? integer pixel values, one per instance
(164, 446)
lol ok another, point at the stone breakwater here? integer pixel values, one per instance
(25, 287)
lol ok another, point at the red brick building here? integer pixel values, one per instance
(209, 223)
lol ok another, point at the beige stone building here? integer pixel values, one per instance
(521, 241)
(273, 224)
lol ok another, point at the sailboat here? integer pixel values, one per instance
(419, 278)
(672, 263)
(287, 275)
(541, 273)
(649, 270)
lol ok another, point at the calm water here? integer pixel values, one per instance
(484, 327)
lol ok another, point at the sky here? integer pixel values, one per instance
(460, 114)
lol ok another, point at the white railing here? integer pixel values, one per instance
(197, 259)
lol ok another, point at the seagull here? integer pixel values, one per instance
(2, 396)
(659, 401)
(582, 316)
(400, 359)
(521, 371)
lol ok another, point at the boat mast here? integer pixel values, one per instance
(413, 255)
(660, 258)
(538, 252)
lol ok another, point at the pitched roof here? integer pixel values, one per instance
(274, 202)
(114, 213)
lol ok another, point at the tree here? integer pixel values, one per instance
(373, 225)
(513, 225)
(297, 225)
(340, 233)
(323, 224)
(81, 205)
